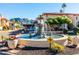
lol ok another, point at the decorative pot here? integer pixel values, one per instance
(12, 44)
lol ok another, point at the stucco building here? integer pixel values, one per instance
(43, 17)
(72, 16)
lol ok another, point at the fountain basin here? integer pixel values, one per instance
(38, 38)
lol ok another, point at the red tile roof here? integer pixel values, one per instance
(60, 14)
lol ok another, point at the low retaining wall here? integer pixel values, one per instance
(54, 32)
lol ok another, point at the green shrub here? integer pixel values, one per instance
(65, 31)
(76, 30)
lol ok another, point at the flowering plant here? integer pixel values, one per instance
(70, 39)
(11, 38)
(50, 40)
(58, 47)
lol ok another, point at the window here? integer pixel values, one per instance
(76, 17)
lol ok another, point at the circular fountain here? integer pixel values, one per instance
(39, 35)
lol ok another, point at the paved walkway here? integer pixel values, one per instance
(38, 48)
(41, 48)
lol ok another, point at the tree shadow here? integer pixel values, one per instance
(34, 48)
(4, 53)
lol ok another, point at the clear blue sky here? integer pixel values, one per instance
(32, 10)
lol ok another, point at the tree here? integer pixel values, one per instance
(63, 8)
(59, 20)
(17, 23)
(63, 20)
(63, 5)
(51, 22)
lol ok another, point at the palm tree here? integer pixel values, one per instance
(61, 11)
(63, 5)
(63, 8)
